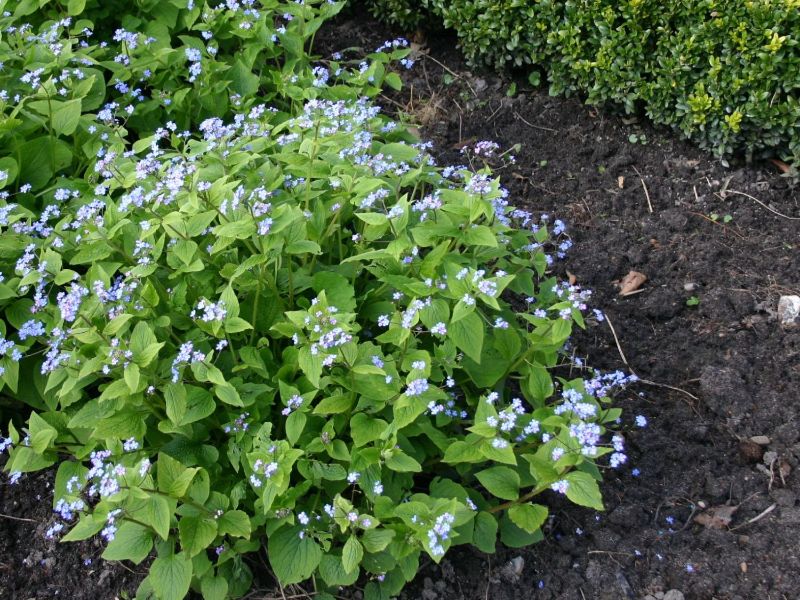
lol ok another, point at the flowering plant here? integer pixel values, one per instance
(274, 317)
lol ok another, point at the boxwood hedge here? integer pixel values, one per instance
(725, 74)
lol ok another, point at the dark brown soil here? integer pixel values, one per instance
(35, 568)
(722, 369)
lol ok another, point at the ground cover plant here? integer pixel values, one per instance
(723, 74)
(245, 310)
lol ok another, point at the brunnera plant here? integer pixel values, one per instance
(281, 327)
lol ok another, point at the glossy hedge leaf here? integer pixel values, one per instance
(170, 576)
(501, 482)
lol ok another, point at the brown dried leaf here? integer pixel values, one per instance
(781, 165)
(716, 517)
(631, 283)
(621, 182)
(571, 278)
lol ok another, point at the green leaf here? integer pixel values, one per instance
(156, 513)
(75, 7)
(88, 526)
(462, 452)
(144, 344)
(393, 81)
(402, 463)
(293, 559)
(175, 400)
(480, 235)
(66, 117)
(8, 166)
(352, 553)
(243, 81)
(235, 523)
(333, 573)
(171, 576)
(42, 433)
(501, 482)
(583, 490)
(66, 471)
(236, 325)
(131, 374)
(528, 517)
(214, 588)
(295, 423)
(376, 540)
(485, 534)
(514, 537)
(334, 405)
(173, 477)
(228, 394)
(303, 247)
(196, 534)
(240, 230)
(502, 455)
(311, 364)
(467, 334)
(132, 542)
(538, 386)
(365, 429)
(373, 218)
(40, 158)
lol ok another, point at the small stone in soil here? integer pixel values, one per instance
(789, 310)
(761, 440)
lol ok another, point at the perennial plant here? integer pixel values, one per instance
(245, 309)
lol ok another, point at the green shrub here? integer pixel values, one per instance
(726, 75)
(246, 310)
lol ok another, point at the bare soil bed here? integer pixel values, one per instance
(700, 511)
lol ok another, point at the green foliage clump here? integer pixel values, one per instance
(726, 75)
(242, 309)
(403, 13)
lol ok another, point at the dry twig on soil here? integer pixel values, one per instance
(646, 193)
(754, 199)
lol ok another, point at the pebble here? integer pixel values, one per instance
(690, 286)
(761, 440)
(789, 310)
(674, 595)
